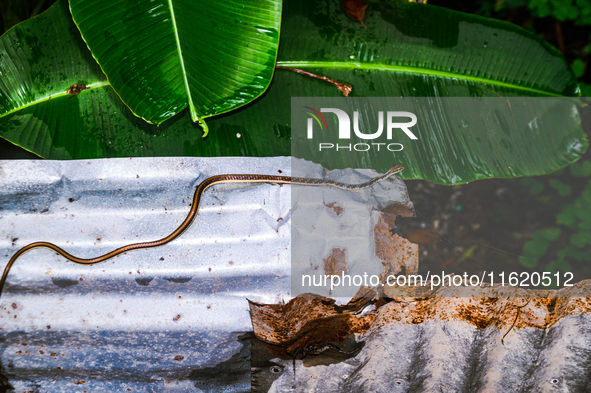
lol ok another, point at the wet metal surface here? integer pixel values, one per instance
(169, 317)
(498, 342)
(175, 318)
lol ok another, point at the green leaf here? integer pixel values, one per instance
(585, 198)
(567, 219)
(536, 186)
(529, 262)
(585, 87)
(563, 189)
(581, 168)
(571, 252)
(467, 254)
(578, 68)
(535, 248)
(550, 233)
(407, 49)
(427, 50)
(580, 239)
(583, 214)
(162, 55)
(560, 265)
(41, 58)
(430, 51)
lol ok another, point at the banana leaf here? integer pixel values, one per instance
(161, 56)
(406, 50)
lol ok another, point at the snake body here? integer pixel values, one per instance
(204, 185)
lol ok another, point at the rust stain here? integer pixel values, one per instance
(309, 323)
(398, 255)
(336, 262)
(336, 208)
(503, 307)
(362, 324)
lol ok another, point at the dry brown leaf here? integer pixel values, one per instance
(305, 323)
(355, 9)
(343, 87)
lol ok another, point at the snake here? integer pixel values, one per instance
(204, 185)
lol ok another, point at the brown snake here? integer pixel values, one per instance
(205, 184)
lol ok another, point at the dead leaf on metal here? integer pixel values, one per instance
(307, 324)
(416, 230)
(355, 9)
(398, 209)
(363, 298)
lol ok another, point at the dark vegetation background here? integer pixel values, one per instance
(529, 224)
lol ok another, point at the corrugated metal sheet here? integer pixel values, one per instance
(175, 318)
(498, 342)
(171, 318)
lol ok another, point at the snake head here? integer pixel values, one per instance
(395, 169)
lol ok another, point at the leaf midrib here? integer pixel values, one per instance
(52, 96)
(412, 70)
(192, 109)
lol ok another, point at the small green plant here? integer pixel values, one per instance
(567, 244)
(577, 10)
(538, 246)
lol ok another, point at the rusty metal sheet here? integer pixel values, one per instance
(499, 341)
